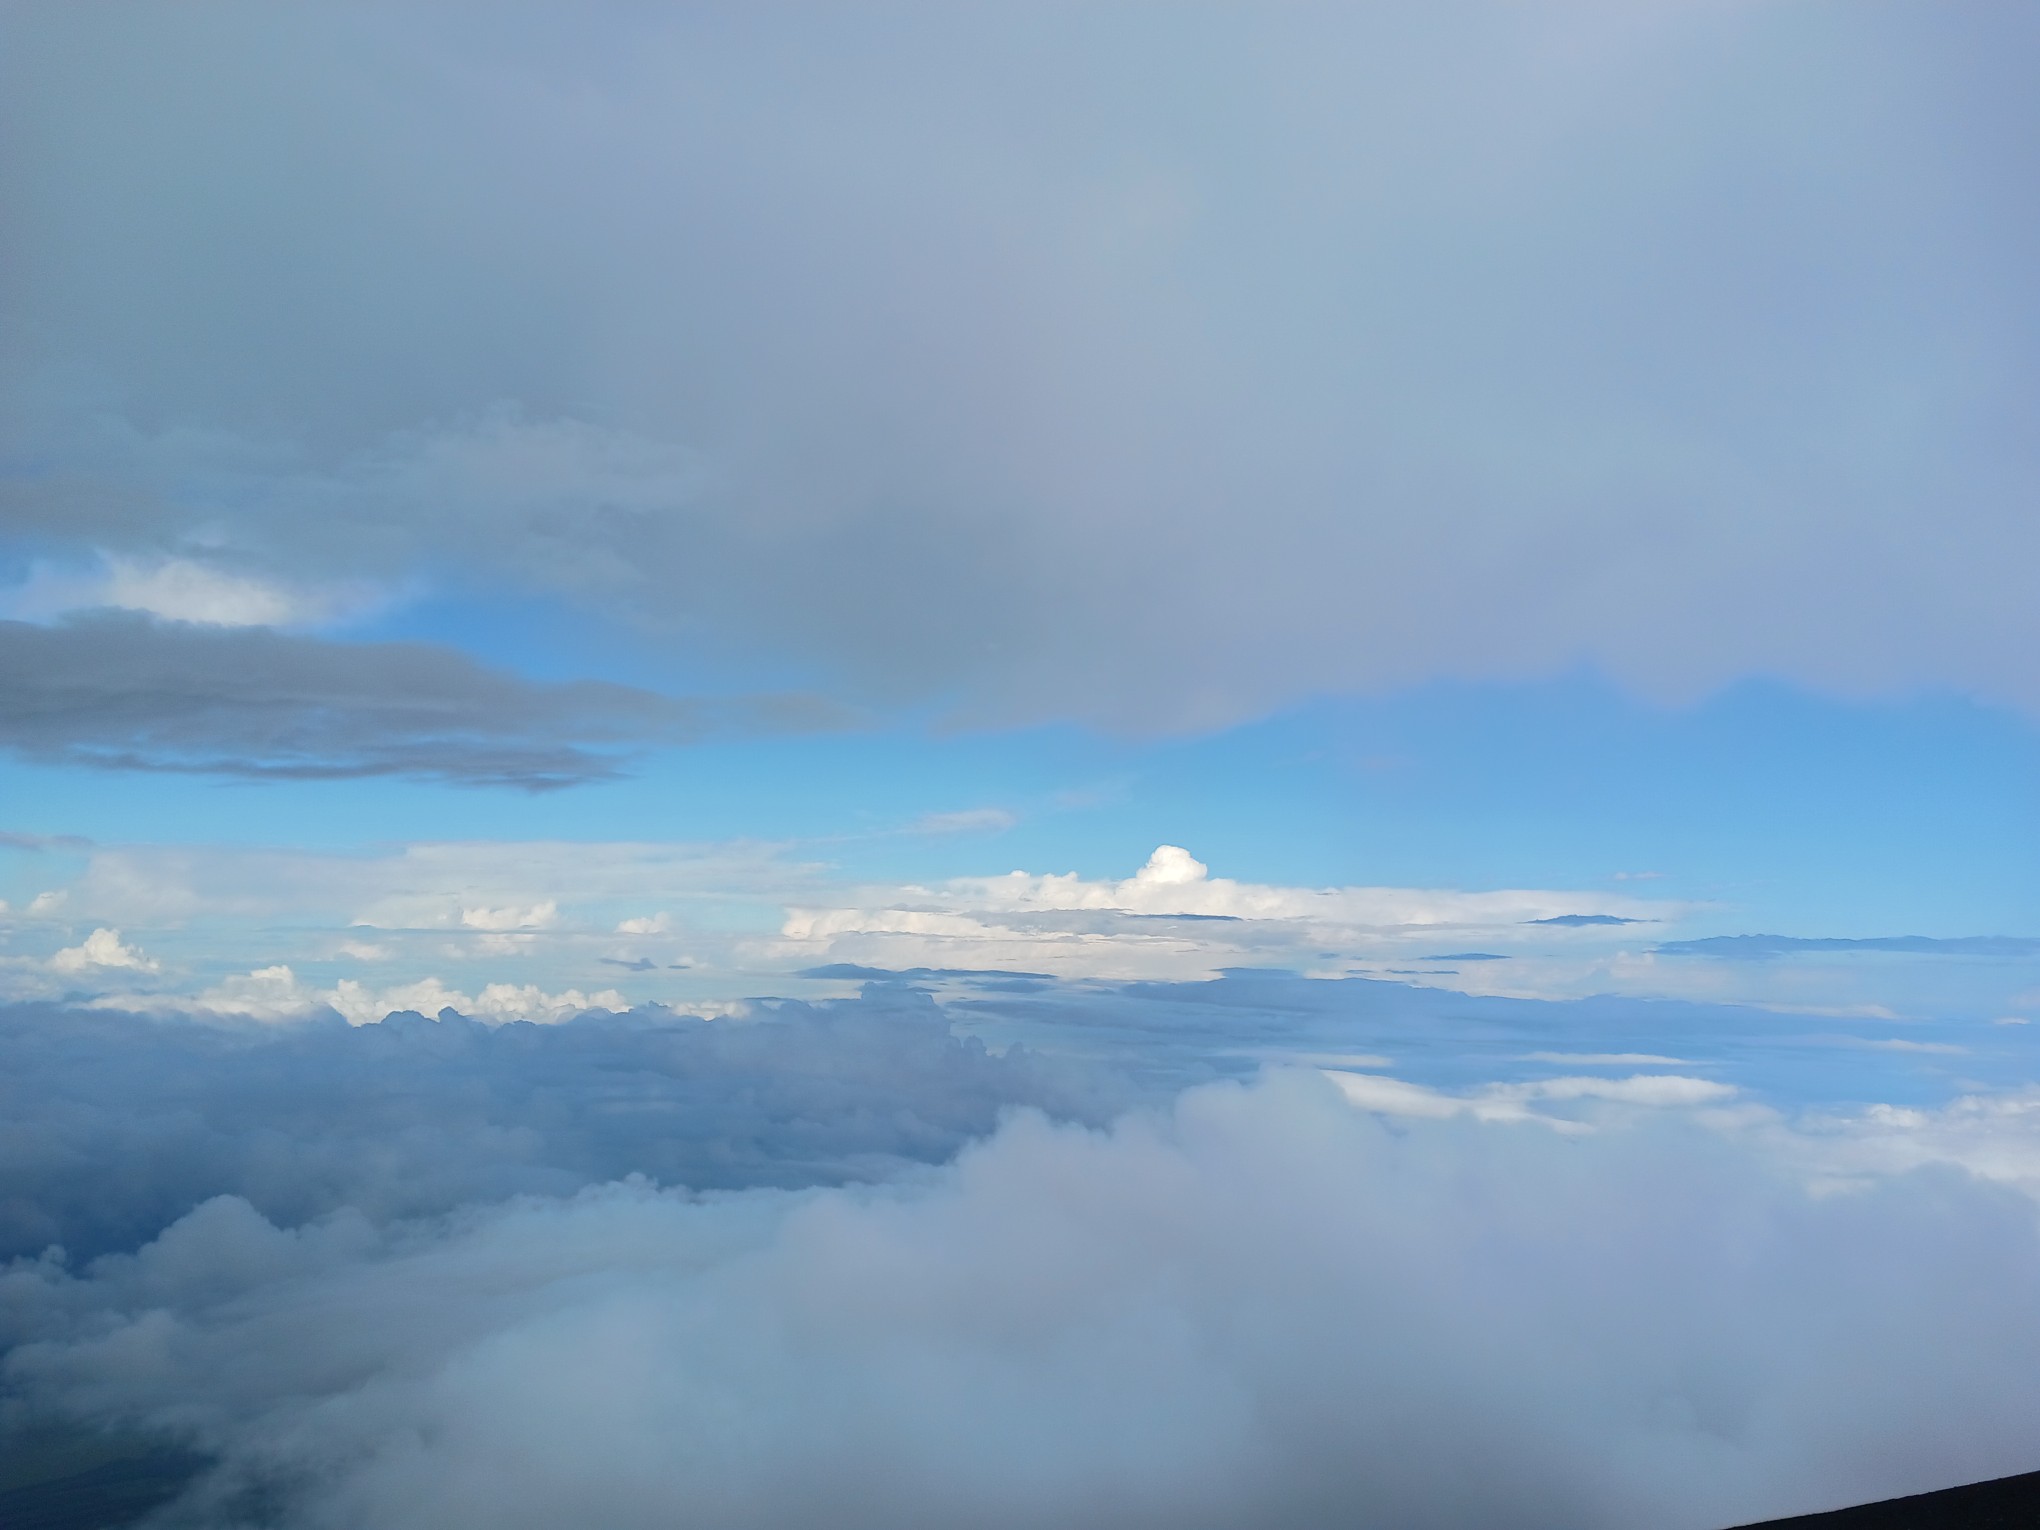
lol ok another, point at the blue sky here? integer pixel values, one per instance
(1788, 812)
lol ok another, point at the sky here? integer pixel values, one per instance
(761, 642)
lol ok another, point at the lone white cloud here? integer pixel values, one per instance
(102, 950)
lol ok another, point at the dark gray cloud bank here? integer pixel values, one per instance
(837, 1265)
(117, 691)
(1124, 363)
(114, 1126)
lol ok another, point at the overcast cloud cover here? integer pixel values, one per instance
(1149, 366)
(1016, 765)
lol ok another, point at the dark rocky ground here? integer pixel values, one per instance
(2009, 1503)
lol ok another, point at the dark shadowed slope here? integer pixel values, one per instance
(2008, 1503)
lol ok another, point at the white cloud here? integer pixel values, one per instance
(361, 1005)
(1397, 1097)
(1654, 1089)
(1172, 918)
(1606, 1059)
(276, 993)
(45, 904)
(268, 993)
(769, 912)
(538, 916)
(102, 950)
(756, 912)
(1504, 1102)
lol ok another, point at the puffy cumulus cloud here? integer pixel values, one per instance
(277, 993)
(1294, 349)
(537, 917)
(126, 693)
(102, 950)
(497, 1001)
(1261, 1306)
(113, 1125)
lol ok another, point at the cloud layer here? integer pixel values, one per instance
(1261, 1305)
(114, 1126)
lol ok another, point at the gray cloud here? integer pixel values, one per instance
(123, 693)
(1261, 1306)
(1144, 367)
(114, 1126)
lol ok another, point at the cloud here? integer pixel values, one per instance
(730, 913)
(1171, 918)
(1256, 1306)
(116, 1125)
(10, 840)
(276, 993)
(124, 693)
(1301, 351)
(1760, 947)
(1904, 1044)
(104, 950)
(1604, 1059)
(180, 590)
(967, 821)
(538, 916)
(1513, 1102)
(735, 912)
(362, 1005)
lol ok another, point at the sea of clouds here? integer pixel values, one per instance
(842, 1263)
